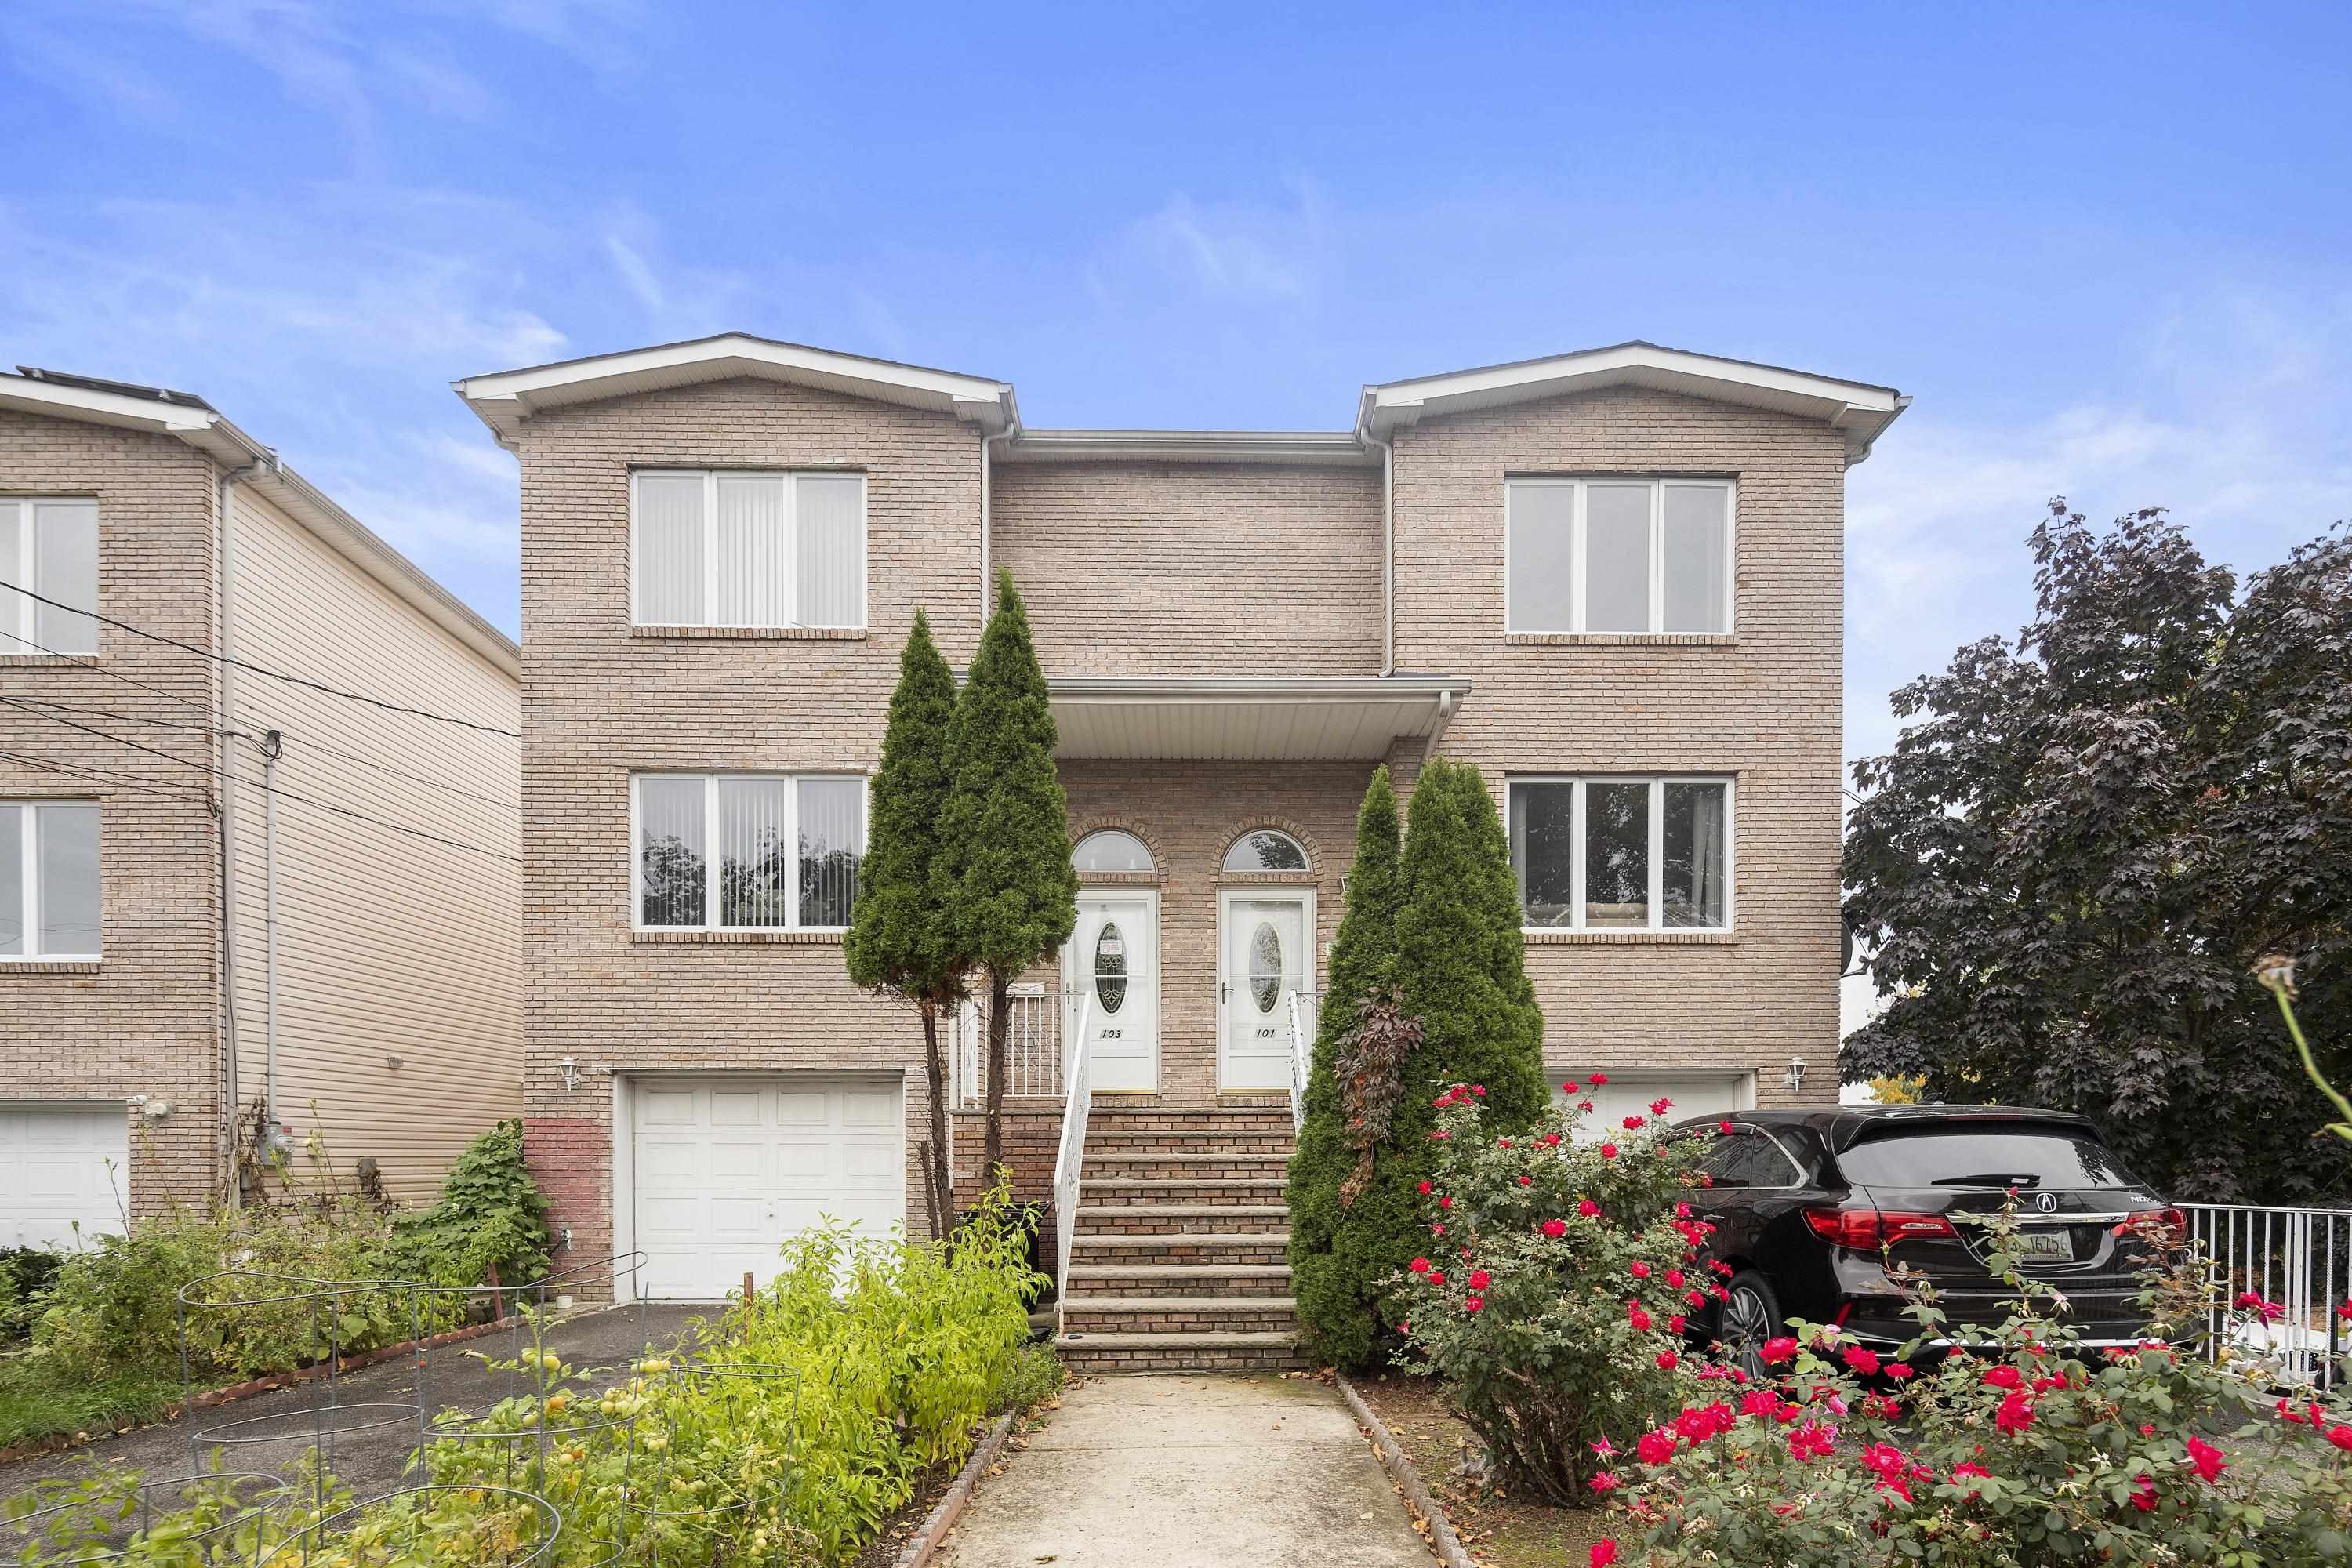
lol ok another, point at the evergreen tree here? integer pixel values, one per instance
(1458, 974)
(899, 943)
(1335, 1299)
(1003, 872)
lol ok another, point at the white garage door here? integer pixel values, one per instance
(59, 1165)
(1633, 1091)
(725, 1169)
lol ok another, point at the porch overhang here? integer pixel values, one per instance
(1249, 717)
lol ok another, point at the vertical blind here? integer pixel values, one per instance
(50, 547)
(1618, 555)
(50, 892)
(787, 850)
(1621, 854)
(750, 550)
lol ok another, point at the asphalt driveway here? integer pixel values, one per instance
(369, 1414)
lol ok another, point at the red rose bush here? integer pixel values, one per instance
(2027, 1446)
(1553, 1291)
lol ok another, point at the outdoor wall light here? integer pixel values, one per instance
(569, 1069)
(153, 1107)
(1795, 1077)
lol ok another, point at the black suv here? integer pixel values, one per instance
(1804, 1201)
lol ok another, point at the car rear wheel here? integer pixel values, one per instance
(1751, 1315)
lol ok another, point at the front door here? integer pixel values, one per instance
(1262, 955)
(1114, 957)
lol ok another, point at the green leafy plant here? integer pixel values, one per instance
(2026, 1448)
(490, 1215)
(1553, 1287)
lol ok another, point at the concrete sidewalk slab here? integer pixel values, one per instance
(1191, 1472)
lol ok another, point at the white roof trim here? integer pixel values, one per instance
(505, 400)
(1858, 408)
(208, 431)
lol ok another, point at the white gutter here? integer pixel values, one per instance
(1388, 545)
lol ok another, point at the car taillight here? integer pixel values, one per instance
(2154, 1219)
(1867, 1230)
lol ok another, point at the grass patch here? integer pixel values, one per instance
(1495, 1527)
(40, 1400)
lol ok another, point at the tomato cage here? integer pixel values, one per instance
(481, 1526)
(215, 1517)
(678, 1499)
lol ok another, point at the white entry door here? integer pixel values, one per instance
(1263, 953)
(726, 1170)
(1114, 956)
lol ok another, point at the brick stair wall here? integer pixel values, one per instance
(1178, 1261)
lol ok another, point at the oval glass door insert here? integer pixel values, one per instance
(1266, 966)
(1110, 967)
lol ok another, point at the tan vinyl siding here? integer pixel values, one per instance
(389, 946)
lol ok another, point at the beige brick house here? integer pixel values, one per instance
(1611, 579)
(220, 890)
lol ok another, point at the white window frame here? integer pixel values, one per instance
(1577, 608)
(20, 618)
(28, 866)
(710, 477)
(711, 859)
(1657, 783)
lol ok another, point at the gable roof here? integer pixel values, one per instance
(1858, 408)
(158, 410)
(505, 399)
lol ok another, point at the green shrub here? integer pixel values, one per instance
(490, 1215)
(2029, 1448)
(1554, 1286)
(1037, 1376)
(25, 1274)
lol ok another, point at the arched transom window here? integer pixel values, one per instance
(1266, 851)
(1112, 849)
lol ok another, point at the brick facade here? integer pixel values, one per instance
(144, 1020)
(1136, 568)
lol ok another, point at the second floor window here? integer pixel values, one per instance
(771, 550)
(49, 545)
(48, 879)
(722, 851)
(1619, 555)
(1622, 853)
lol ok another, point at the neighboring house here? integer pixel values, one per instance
(363, 981)
(1611, 579)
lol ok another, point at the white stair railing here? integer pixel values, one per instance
(1069, 1163)
(1302, 1054)
(2300, 1259)
(1034, 1046)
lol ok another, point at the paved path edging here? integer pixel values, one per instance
(943, 1513)
(1392, 1457)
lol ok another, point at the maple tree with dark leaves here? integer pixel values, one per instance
(2084, 842)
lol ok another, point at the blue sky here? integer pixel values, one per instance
(2106, 249)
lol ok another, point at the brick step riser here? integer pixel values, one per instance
(1077, 1358)
(1253, 1119)
(1129, 1193)
(1080, 1319)
(1266, 1147)
(1178, 1252)
(1171, 1223)
(1274, 1282)
(1160, 1167)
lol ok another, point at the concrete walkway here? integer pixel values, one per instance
(1191, 1472)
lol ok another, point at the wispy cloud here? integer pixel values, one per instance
(1231, 253)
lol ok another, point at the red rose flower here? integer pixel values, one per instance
(1588, 1208)
(1480, 1279)
(1609, 1151)
(2206, 1459)
(1659, 1107)
(1598, 1078)
(1676, 1324)
(1602, 1481)
(1437, 1276)
(1632, 1122)
(1570, 1087)
(2016, 1414)
(2002, 1377)
(1446, 1202)
(1861, 1360)
(1897, 1370)
(1473, 1303)
(1656, 1446)
(1778, 1348)
(1673, 1279)
(1421, 1266)
(1640, 1269)
(1555, 1228)
(1424, 1189)
(1603, 1553)
(2340, 1436)
(1635, 1316)
(1724, 1127)
(1527, 1181)
(1668, 1361)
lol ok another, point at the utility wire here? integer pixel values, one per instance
(125, 781)
(127, 718)
(97, 668)
(271, 789)
(301, 681)
(315, 744)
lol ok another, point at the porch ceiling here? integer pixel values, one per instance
(1241, 717)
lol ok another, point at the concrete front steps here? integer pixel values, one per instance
(1179, 1257)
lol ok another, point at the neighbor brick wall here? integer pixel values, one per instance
(1193, 569)
(600, 703)
(144, 1019)
(1765, 706)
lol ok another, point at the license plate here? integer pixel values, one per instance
(2044, 1246)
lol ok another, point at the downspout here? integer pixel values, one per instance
(226, 492)
(1388, 545)
(273, 746)
(987, 581)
